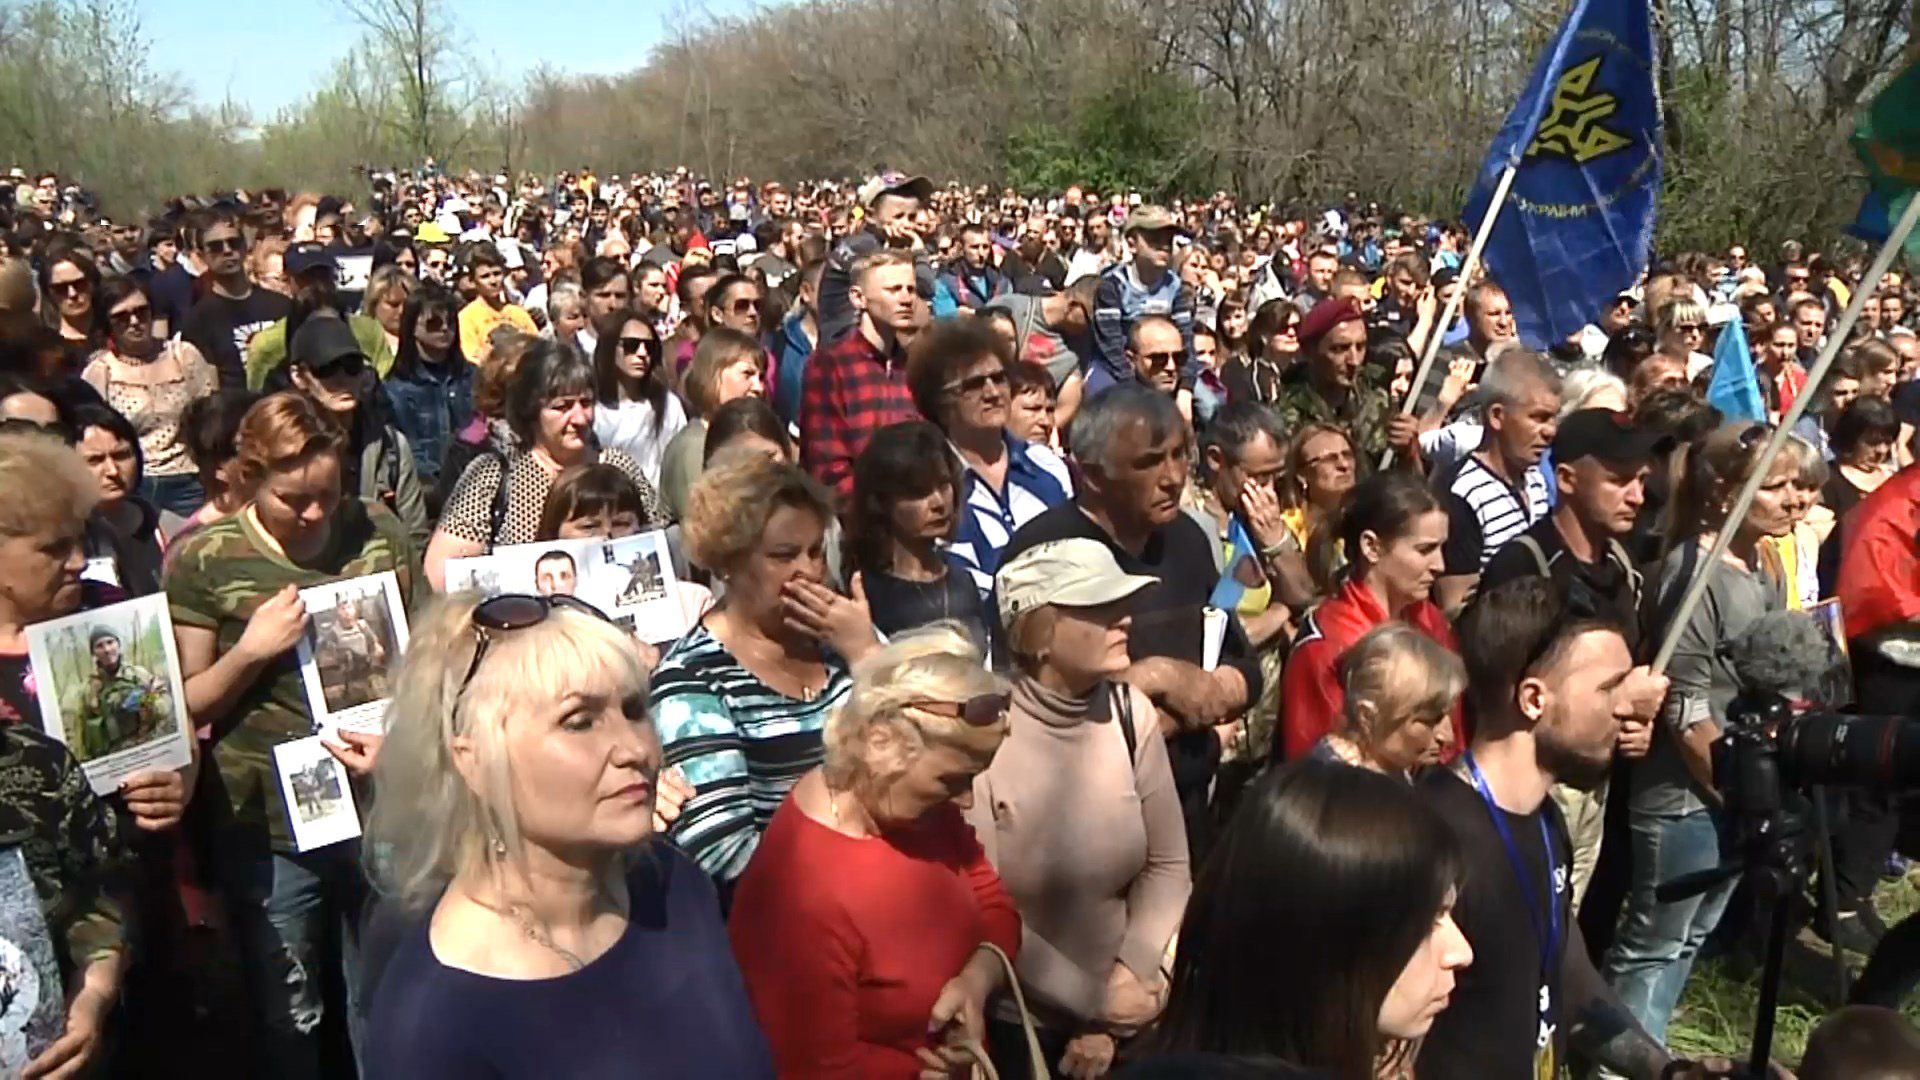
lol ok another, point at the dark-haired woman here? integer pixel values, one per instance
(634, 411)
(1272, 343)
(431, 384)
(1862, 442)
(70, 281)
(498, 500)
(123, 534)
(1392, 530)
(151, 382)
(329, 367)
(906, 494)
(1344, 977)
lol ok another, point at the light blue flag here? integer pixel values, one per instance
(1735, 389)
(1577, 227)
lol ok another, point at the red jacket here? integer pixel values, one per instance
(1879, 582)
(1311, 698)
(845, 943)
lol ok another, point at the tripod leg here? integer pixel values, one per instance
(1778, 921)
(1829, 892)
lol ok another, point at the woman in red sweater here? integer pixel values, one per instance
(860, 923)
(1393, 529)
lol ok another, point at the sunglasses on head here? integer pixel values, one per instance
(508, 612)
(221, 247)
(973, 384)
(982, 711)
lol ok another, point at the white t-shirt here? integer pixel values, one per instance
(628, 427)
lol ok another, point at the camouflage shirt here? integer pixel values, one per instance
(218, 576)
(73, 843)
(117, 706)
(1364, 416)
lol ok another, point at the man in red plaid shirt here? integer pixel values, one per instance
(857, 385)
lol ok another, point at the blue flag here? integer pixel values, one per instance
(1735, 389)
(1577, 227)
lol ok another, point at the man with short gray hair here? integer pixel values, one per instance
(1131, 450)
(1497, 491)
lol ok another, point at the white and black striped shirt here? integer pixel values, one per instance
(1484, 511)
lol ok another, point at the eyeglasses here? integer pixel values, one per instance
(350, 365)
(982, 711)
(1289, 328)
(67, 288)
(221, 247)
(1155, 360)
(131, 316)
(1690, 328)
(744, 305)
(433, 324)
(632, 345)
(509, 612)
(973, 384)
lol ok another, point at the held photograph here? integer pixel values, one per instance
(634, 575)
(551, 568)
(356, 632)
(318, 794)
(109, 686)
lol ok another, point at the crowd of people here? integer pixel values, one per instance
(1093, 667)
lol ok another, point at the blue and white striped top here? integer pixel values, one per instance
(742, 745)
(1037, 481)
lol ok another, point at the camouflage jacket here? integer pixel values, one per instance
(117, 706)
(1364, 416)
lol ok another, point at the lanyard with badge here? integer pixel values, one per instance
(1547, 935)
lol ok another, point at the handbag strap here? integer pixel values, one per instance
(1036, 1057)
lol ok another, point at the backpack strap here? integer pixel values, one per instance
(1123, 713)
(1525, 540)
(497, 510)
(1636, 581)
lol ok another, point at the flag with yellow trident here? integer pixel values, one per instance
(1573, 226)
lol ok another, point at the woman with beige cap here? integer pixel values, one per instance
(1078, 813)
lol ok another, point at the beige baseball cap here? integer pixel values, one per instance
(1076, 572)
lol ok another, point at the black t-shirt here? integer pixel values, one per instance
(172, 295)
(1492, 1026)
(1608, 588)
(899, 605)
(220, 328)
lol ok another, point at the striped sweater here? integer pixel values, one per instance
(741, 744)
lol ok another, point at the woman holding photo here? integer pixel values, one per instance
(233, 587)
(72, 843)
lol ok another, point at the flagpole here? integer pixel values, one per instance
(1836, 338)
(1467, 268)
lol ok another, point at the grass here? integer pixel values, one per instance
(1715, 1016)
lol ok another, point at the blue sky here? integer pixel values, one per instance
(271, 54)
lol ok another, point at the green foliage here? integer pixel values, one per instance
(1136, 135)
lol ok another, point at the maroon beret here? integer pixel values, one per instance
(1326, 315)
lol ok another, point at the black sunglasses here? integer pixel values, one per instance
(131, 316)
(1156, 360)
(508, 612)
(973, 384)
(632, 345)
(221, 247)
(67, 288)
(350, 365)
(434, 323)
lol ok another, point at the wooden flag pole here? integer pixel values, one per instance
(1836, 338)
(1467, 268)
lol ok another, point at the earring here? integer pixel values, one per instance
(499, 848)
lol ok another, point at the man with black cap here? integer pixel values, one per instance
(1601, 462)
(890, 199)
(1130, 291)
(314, 273)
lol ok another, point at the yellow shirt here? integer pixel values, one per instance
(478, 321)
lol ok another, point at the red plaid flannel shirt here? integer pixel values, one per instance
(850, 391)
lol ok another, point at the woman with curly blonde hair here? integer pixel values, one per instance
(863, 926)
(741, 699)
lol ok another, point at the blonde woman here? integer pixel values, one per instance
(515, 836)
(1681, 324)
(1401, 688)
(861, 924)
(1078, 813)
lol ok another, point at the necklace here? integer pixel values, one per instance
(533, 931)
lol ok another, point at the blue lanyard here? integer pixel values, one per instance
(1549, 937)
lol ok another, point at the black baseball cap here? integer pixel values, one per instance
(308, 255)
(1607, 435)
(324, 341)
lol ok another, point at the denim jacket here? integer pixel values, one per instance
(430, 403)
